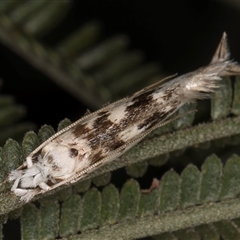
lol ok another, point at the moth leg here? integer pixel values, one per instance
(26, 194)
(44, 186)
(29, 162)
(14, 186)
(15, 175)
(38, 179)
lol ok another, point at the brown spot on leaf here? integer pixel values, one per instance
(155, 184)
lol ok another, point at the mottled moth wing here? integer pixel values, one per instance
(101, 136)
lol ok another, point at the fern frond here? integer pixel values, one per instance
(180, 202)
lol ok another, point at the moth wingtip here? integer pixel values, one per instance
(222, 52)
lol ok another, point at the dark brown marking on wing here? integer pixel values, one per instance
(143, 110)
(50, 159)
(102, 121)
(168, 94)
(55, 167)
(104, 131)
(96, 157)
(100, 154)
(156, 118)
(142, 106)
(174, 103)
(43, 153)
(141, 101)
(73, 152)
(80, 129)
(116, 144)
(81, 156)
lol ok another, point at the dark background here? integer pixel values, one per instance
(179, 35)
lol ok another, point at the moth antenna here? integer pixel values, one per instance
(222, 53)
(15, 185)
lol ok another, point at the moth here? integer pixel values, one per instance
(102, 136)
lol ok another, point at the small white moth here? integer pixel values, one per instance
(107, 133)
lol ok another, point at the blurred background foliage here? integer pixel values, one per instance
(59, 58)
(160, 33)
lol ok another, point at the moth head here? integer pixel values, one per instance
(64, 159)
(60, 158)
